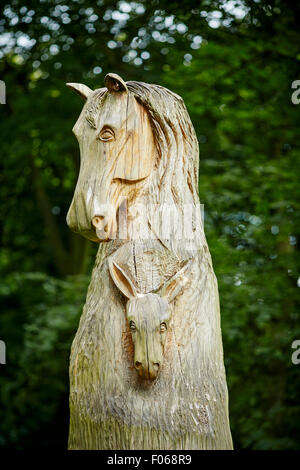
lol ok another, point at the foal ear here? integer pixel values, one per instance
(121, 280)
(174, 286)
(82, 90)
(114, 82)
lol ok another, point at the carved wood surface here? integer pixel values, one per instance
(146, 365)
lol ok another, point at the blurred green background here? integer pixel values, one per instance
(233, 62)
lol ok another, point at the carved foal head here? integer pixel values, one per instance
(148, 317)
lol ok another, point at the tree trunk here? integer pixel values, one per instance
(146, 366)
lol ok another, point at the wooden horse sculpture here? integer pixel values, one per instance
(139, 164)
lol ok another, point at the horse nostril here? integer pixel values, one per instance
(138, 364)
(98, 221)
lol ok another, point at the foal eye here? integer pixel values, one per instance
(106, 134)
(132, 326)
(163, 327)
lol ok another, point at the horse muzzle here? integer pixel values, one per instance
(147, 370)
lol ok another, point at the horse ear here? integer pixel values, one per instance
(82, 90)
(175, 285)
(121, 280)
(114, 82)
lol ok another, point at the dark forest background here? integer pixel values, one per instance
(233, 62)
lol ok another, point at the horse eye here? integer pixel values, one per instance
(163, 327)
(132, 326)
(106, 134)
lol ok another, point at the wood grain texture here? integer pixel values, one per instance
(113, 405)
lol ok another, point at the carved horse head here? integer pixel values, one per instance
(117, 150)
(133, 137)
(148, 317)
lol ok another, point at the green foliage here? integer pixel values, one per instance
(40, 315)
(234, 68)
(249, 186)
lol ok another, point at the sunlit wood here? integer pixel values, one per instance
(146, 366)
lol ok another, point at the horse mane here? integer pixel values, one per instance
(176, 142)
(175, 181)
